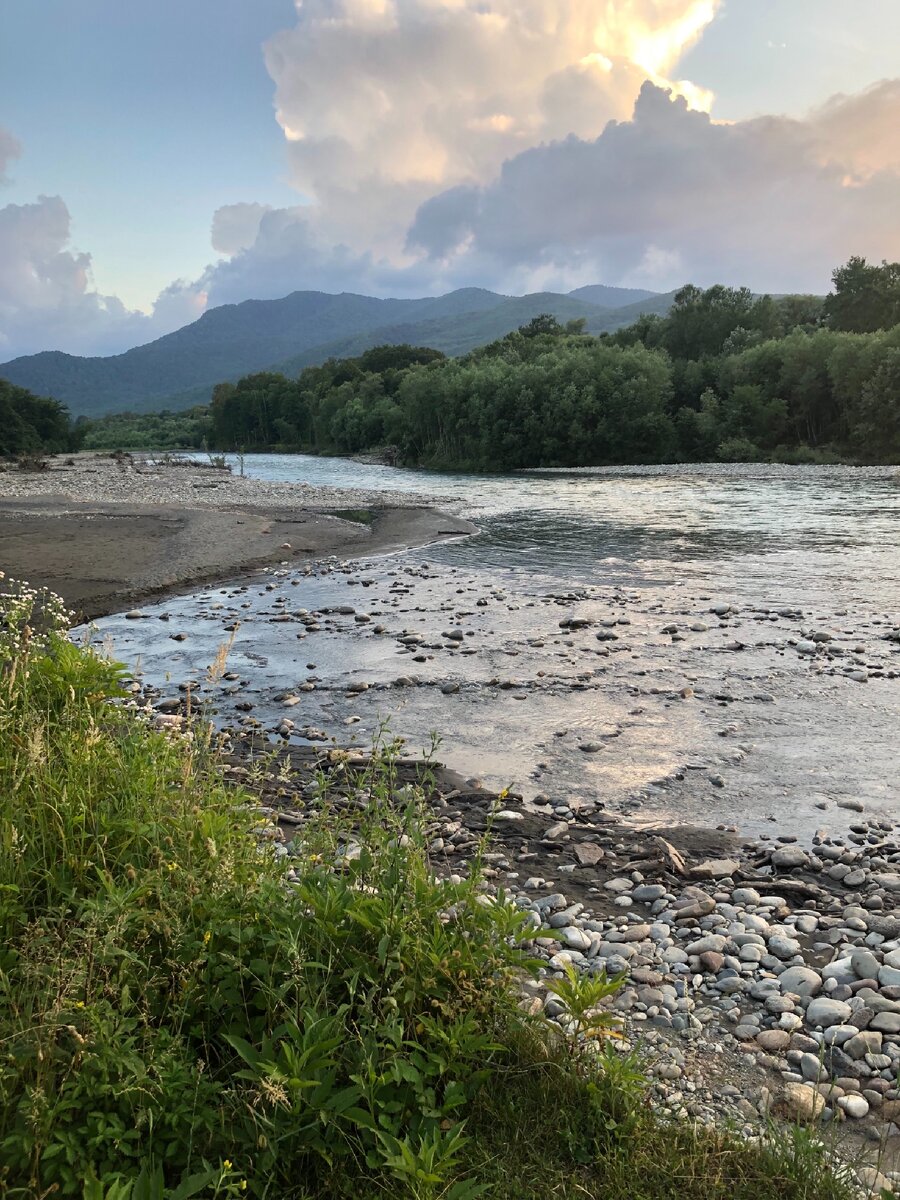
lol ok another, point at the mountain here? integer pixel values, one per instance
(305, 328)
(611, 297)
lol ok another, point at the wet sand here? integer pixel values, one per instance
(104, 537)
(101, 558)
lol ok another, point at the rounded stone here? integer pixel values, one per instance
(801, 981)
(803, 1102)
(823, 1012)
(854, 1106)
(774, 1041)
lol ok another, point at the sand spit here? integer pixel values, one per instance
(106, 532)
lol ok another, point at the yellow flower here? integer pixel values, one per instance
(206, 938)
(79, 1004)
(173, 866)
(226, 1165)
(243, 1185)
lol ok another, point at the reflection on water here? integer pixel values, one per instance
(690, 580)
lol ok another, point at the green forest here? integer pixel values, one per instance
(725, 376)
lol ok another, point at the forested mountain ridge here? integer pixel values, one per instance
(299, 330)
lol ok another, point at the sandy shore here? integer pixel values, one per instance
(104, 535)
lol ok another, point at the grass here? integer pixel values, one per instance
(183, 1013)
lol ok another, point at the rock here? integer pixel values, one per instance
(876, 1183)
(841, 971)
(590, 747)
(889, 976)
(712, 961)
(557, 831)
(854, 1106)
(864, 964)
(811, 1067)
(788, 857)
(803, 1102)
(508, 814)
(712, 942)
(889, 881)
(745, 896)
(783, 947)
(867, 1042)
(589, 854)
(774, 1041)
(801, 981)
(699, 906)
(823, 1011)
(886, 1022)
(575, 938)
(646, 893)
(716, 868)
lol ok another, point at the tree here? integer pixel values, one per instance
(865, 298)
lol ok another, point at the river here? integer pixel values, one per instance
(736, 663)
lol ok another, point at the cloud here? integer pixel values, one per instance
(861, 132)
(10, 148)
(385, 102)
(671, 194)
(235, 226)
(47, 299)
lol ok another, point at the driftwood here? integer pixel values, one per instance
(767, 883)
(670, 857)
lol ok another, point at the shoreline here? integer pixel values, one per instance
(104, 536)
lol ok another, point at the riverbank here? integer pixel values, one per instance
(104, 533)
(196, 1006)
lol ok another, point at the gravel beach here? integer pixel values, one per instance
(105, 532)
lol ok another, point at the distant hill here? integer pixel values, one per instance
(305, 328)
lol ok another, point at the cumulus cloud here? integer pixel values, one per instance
(671, 195)
(385, 102)
(235, 226)
(47, 299)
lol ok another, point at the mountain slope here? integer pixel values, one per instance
(180, 369)
(611, 297)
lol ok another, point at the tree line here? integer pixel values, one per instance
(725, 376)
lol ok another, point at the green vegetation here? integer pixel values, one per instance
(724, 376)
(148, 431)
(31, 424)
(181, 1017)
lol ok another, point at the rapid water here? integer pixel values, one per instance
(787, 534)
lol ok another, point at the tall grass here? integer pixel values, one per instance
(184, 1013)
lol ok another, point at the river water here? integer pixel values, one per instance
(690, 693)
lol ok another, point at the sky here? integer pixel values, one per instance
(156, 160)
